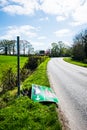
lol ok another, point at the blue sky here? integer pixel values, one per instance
(42, 22)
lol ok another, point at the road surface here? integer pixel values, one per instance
(70, 85)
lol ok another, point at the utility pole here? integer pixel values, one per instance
(18, 65)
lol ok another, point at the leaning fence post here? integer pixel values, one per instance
(18, 65)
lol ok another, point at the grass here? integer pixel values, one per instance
(38, 77)
(70, 60)
(10, 61)
(24, 114)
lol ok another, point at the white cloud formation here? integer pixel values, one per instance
(60, 18)
(62, 32)
(3, 2)
(68, 43)
(25, 31)
(44, 19)
(76, 9)
(80, 15)
(59, 6)
(21, 7)
(41, 38)
(50, 6)
(38, 45)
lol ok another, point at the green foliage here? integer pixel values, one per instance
(79, 48)
(8, 80)
(39, 76)
(78, 52)
(33, 62)
(85, 61)
(60, 49)
(25, 114)
(10, 62)
(55, 50)
(2, 103)
(24, 73)
(7, 98)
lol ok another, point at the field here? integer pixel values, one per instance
(10, 61)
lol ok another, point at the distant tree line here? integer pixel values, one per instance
(9, 47)
(60, 49)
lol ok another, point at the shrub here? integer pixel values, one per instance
(8, 80)
(24, 73)
(85, 61)
(2, 103)
(7, 97)
(32, 63)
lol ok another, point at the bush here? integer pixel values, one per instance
(2, 103)
(34, 61)
(85, 61)
(7, 97)
(24, 73)
(8, 80)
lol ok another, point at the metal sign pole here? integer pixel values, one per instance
(18, 65)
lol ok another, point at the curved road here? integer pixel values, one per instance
(70, 85)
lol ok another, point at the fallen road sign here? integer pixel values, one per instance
(43, 94)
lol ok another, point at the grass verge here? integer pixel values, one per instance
(38, 77)
(24, 114)
(70, 60)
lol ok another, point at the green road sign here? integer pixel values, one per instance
(43, 93)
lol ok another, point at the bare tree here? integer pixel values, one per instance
(6, 46)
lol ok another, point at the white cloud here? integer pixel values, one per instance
(68, 43)
(60, 18)
(50, 6)
(59, 6)
(38, 45)
(76, 9)
(62, 32)
(3, 2)
(80, 15)
(21, 7)
(25, 31)
(41, 38)
(44, 19)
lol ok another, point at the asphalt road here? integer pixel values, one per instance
(70, 85)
